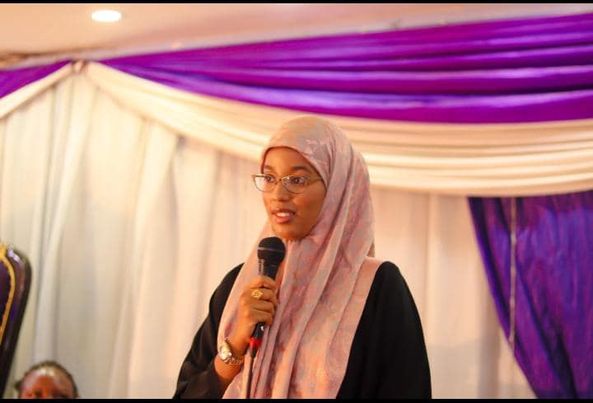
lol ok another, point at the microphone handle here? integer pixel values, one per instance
(258, 332)
(255, 339)
(269, 270)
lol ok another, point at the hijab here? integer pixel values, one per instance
(327, 275)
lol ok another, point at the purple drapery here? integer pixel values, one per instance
(523, 70)
(553, 285)
(12, 80)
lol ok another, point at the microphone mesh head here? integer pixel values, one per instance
(271, 250)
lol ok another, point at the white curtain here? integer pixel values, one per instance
(461, 159)
(133, 200)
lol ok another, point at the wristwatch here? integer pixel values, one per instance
(226, 354)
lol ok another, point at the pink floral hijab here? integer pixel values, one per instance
(327, 275)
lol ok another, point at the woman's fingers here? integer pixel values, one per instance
(262, 282)
(265, 314)
(257, 304)
(263, 294)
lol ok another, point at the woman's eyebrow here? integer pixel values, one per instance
(300, 168)
(292, 169)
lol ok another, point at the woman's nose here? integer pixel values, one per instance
(280, 192)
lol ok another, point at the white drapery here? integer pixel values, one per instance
(132, 201)
(470, 159)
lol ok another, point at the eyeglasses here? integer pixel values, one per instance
(292, 183)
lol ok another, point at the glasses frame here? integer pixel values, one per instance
(308, 181)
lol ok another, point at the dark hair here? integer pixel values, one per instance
(47, 364)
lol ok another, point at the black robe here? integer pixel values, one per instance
(388, 357)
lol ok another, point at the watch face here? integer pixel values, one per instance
(225, 352)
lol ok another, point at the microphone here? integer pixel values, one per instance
(270, 253)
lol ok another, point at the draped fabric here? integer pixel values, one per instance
(524, 70)
(131, 223)
(12, 80)
(547, 311)
(476, 159)
(122, 186)
(125, 224)
(131, 219)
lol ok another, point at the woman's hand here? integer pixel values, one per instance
(257, 303)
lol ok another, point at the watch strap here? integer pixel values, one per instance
(225, 352)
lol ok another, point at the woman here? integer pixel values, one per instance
(338, 322)
(47, 380)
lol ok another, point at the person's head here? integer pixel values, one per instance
(293, 192)
(293, 177)
(307, 160)
(47, 380)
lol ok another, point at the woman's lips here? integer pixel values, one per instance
(282, 216)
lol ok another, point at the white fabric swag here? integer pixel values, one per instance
(470, 159)
(132, 201)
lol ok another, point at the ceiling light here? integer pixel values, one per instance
(106, 15)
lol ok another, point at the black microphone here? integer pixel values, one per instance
(270, 253)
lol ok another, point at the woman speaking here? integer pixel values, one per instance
(338, 322)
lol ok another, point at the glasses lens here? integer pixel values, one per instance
(295, 184)
(260, 182)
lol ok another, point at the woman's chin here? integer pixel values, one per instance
(284, 233)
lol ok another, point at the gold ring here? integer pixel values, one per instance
(256, 293)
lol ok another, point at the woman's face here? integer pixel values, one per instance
(292, 216)
(46, 383)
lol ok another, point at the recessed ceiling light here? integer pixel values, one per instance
(106, 16)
